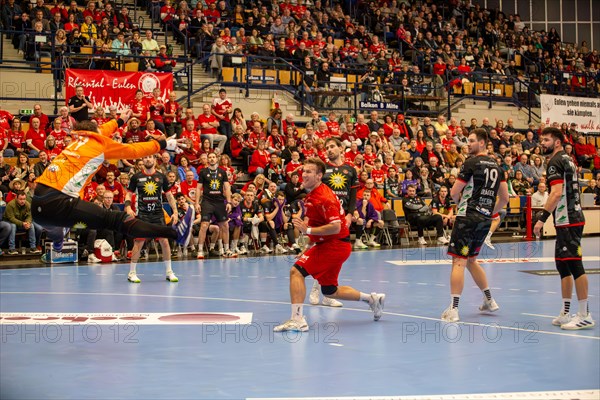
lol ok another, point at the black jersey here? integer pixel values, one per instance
(212, 182)
(342, 180)
(561, 169)
(482, 176)
(149, 190)
(250, 211)
(442, 206)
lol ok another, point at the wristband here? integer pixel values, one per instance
(127, 203)
(544, 216)
(308, 230)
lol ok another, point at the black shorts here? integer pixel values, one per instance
(216, 208)
(156, 218)
(468, 235)
(568, 243)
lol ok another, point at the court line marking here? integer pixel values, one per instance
(547, 395)
(495, 326)
(539, 315)
(448, 261)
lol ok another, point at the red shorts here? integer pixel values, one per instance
(324, 261)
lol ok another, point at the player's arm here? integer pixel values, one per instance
(110, 127)
(127, 204)
(173, 204)
(551, 203)
(457, 189)
(227, 194)
(332, 228)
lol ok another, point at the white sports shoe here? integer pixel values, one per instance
(488, 242)
(279, 249)
(422, 241)
(489, 305)
(376, 304)
(313, 298)
(359, 245)
(373, 243)
(450, 315)
(230, 254)
(200, 255)
(133, 278)
(266, 249)
(292, 325)
(443, 240)
(562, 319)
(579, 322)
(331, 302)
(171, 276)
(242, 250)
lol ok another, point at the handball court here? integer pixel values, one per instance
(96, 336)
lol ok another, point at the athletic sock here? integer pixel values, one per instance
(365, 297)
(297, 311)
(132, 267)
(566, 306)
(234, 244)
(168, 266)
(487, 294)
(583, 307)
(455, 299)
(226, 247)
(211, 246)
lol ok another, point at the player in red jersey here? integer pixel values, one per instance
(325, 226)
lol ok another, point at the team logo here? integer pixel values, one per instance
(215, 184)
(337, 181)
(551, 170)
(148, 82)
(464, 250)
(579, 251)
(150, 188)
(80, 225)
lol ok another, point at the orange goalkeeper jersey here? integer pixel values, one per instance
(74, 168)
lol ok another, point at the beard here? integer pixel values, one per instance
(547, 151)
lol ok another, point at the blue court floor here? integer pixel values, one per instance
(210, 335)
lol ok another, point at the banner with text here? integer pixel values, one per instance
(116, 88)
(583, 111)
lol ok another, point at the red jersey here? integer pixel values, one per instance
(59, 137)
(140, 107)
(388, 130)
(44, 121)
(378, 176)
(158, 107)
(207, 119)
(190, 189)
(369, 158)
(193, 136)
(322, 208)
(220, 106)
(3, 138)
(117, 190)
(334, 128)
(5, 119)
(135, 136)
(362, 130)
(16, 138)
(172, 107)
(36, 138)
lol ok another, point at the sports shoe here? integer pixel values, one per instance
(313, 298)
(133, 278)
(422, 241)
(442, 240)
(184, 227)
(242, 250)
(230, 254)
(296, 249)
(329, 302)
(45, 258)
(12, 252)
(579, 322)
(292, 325)
(450, 315)
(359, 245)
(279, 249)
(144, 254)
(372, 242)
(489, 305)
(35, 250)
(171, 276)
(200, 255)
(214, 253)
(265, 249)
(562, 319)
(488, 242)
(376, 304)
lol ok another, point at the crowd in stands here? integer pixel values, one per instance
(391, 42)
(395, 157)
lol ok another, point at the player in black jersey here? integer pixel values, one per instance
(342, 179)
(252, 219)
(149, 186)
(564, 201)
(484, 193)
(216, 200)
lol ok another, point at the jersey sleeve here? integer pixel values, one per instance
(466, 171)
(331, 209)
(165, 182)
(555, 171)
(115, 150)
(108, 128)
(133, 184)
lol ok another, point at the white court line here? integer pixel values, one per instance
(539, 315)
(554, 395)
(495, 326)
(525, 261)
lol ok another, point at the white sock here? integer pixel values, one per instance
(297, 311)
(211, 246)
(168, 265)
(583, 307)
(220, 244)
(132, 267)
(365, 297)
(234, 243)
(316, 286)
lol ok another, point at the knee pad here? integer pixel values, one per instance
(563, 268)
(328, 290)
(301, 270)
(576, 268)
